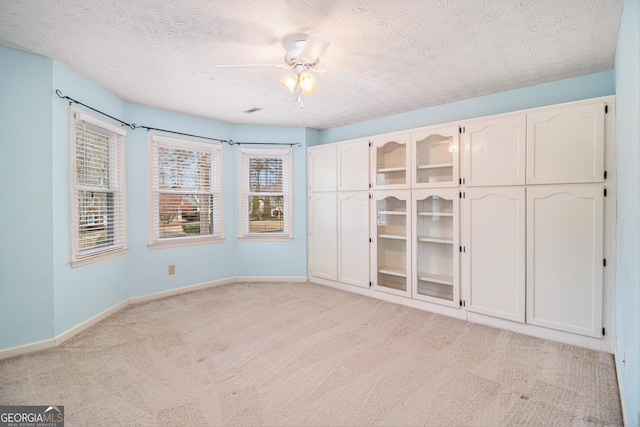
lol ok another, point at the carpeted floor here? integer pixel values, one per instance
(301, 354)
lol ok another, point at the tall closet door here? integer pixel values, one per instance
(494, 252)
(353, 238)
(565, 258)
(323, 241)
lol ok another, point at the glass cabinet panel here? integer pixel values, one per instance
(436, 246)
(435, 157)
(392, 244)
(389, 162)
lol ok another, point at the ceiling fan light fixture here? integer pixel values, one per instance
(289, 82)
(307, 83)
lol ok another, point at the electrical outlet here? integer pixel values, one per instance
(172, 269)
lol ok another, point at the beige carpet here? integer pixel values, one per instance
(301, 354)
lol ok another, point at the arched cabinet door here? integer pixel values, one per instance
(494, 252)
(565, 270)
(353, 238)
(322, 168)
(565, 145)
(494, 151)
(353, 165)
(323, 253)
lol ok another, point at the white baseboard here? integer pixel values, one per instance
(70, 333)
(254, 279)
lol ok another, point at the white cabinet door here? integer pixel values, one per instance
(391, 248)
(435, 243)
(565, 258)
(494, 252)
(353, 238)
(566, 145)
(353, 165)
(322, 168)
(323, 240)
(390, 161)
(434, 157)
(494, 151)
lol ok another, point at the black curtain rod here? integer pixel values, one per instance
(290, 144)
(71, 100)
(134, 127)
(186, 134)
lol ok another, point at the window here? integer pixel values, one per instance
(97, 189)
(265, 204)
(185, 191)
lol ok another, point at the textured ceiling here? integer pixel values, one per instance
(162, 53)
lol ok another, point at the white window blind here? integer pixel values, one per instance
(185, 196)
(97, 188)
(265, 203)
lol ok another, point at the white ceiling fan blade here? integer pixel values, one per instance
(313, 48)
(348, 78)
(252, 66)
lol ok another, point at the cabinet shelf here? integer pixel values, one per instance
(436, 278)
(391, 213)
(435, 213)
(392, 236)
(392, 169)
(393, 271)
(436, 166)
(428, 239)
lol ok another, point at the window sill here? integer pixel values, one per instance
(265, 238)
(186, 241)
(97, 257)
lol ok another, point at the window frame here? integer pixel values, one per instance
(243, 208)
(117, 186)
(155, 140)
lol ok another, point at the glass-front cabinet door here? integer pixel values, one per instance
(391, 249)
(435, 227)
(390, 161)
(435, 157)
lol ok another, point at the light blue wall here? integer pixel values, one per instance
(627, 68)
(280, 259)
(26, 225)
(584, 87)
(41, 295)
(194, 264)
(79, 293)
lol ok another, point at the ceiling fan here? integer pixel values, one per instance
(303, 60)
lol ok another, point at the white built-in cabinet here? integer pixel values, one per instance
(323, 238)
(390, 161)
(499, 218)
(338, 237)
(566, 144)
(494, 151)
(353, 165)
(494, 251)
(391, 243)
(434, 157)
(435, 242)
(322, 169)
(353, 238)
(565, 257)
